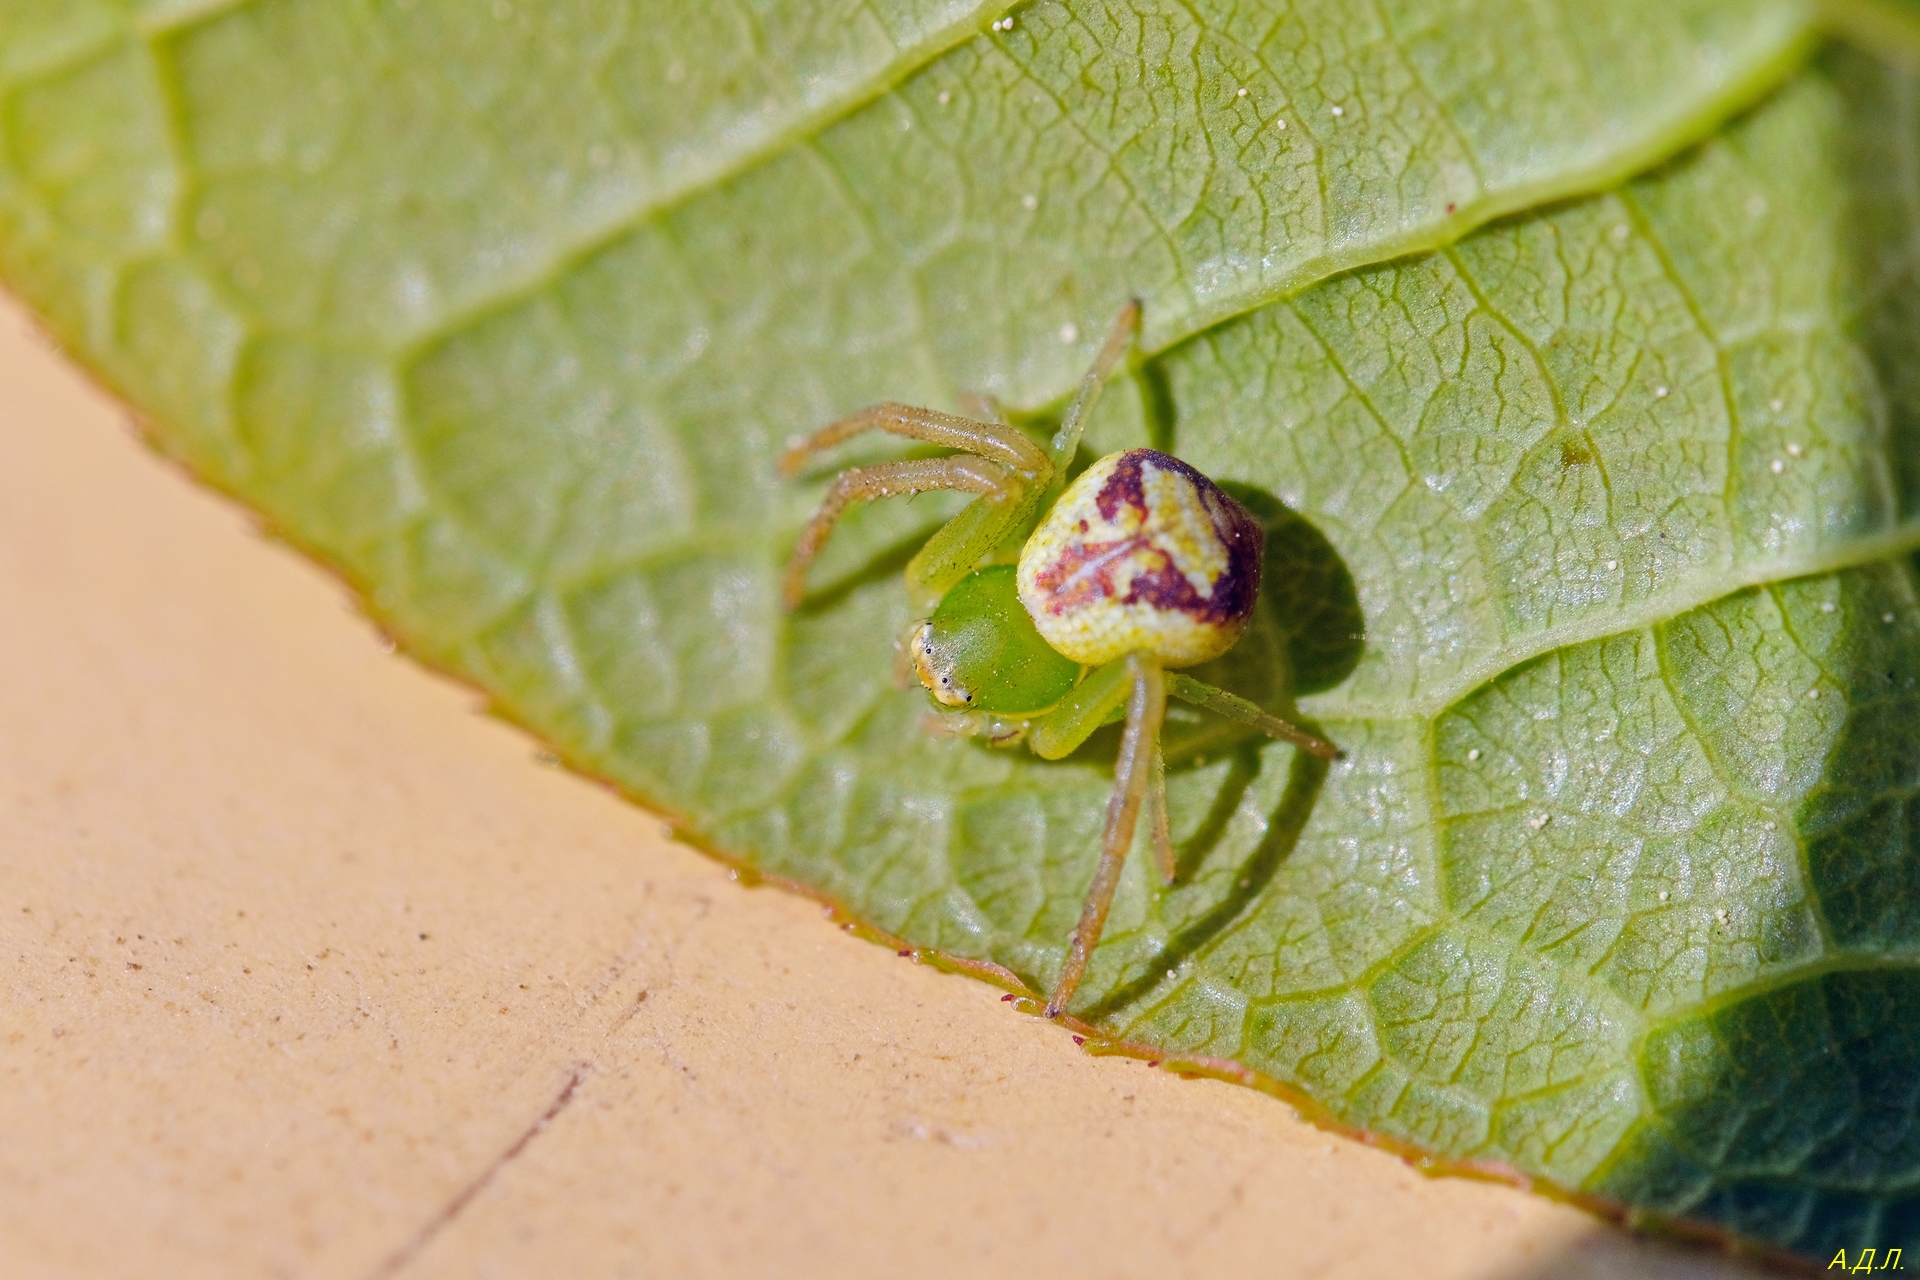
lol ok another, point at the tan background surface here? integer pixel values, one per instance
(310, 970)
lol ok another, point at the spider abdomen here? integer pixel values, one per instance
(1142, 554)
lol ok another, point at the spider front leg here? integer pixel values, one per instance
(891, 480)
(995, 731)
(1006, 469)
(1003, 443)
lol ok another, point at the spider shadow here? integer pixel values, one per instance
(1307, 596)
(1243, 769)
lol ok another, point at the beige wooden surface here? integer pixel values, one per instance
(313, 971)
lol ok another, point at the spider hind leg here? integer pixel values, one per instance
(1133, 775)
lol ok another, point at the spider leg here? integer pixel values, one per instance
(1074, 421)
(998, 731)
(1132, 773)
(1004, 444)
(1163, 854)
(888, 480)
(958, 546)
(1235, 707)
(1093, 702)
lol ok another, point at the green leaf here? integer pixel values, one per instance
(1889, 25)
(1590, 530)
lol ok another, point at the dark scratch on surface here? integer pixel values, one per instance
(626, 1016)
(394, 1262)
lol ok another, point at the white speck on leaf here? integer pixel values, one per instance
(1776, 466)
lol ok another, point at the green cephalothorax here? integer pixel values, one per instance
(1140, 565)
(981, 651)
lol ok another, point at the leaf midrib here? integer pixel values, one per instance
(1166, 326)
(726, 166)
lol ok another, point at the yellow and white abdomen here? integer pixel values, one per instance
(1142, 554)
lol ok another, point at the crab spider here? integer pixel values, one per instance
(1141, 566)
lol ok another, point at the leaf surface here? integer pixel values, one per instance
(1589, 528)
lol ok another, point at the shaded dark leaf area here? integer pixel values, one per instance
(1567, 353)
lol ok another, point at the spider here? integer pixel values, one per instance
(1141, 565)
